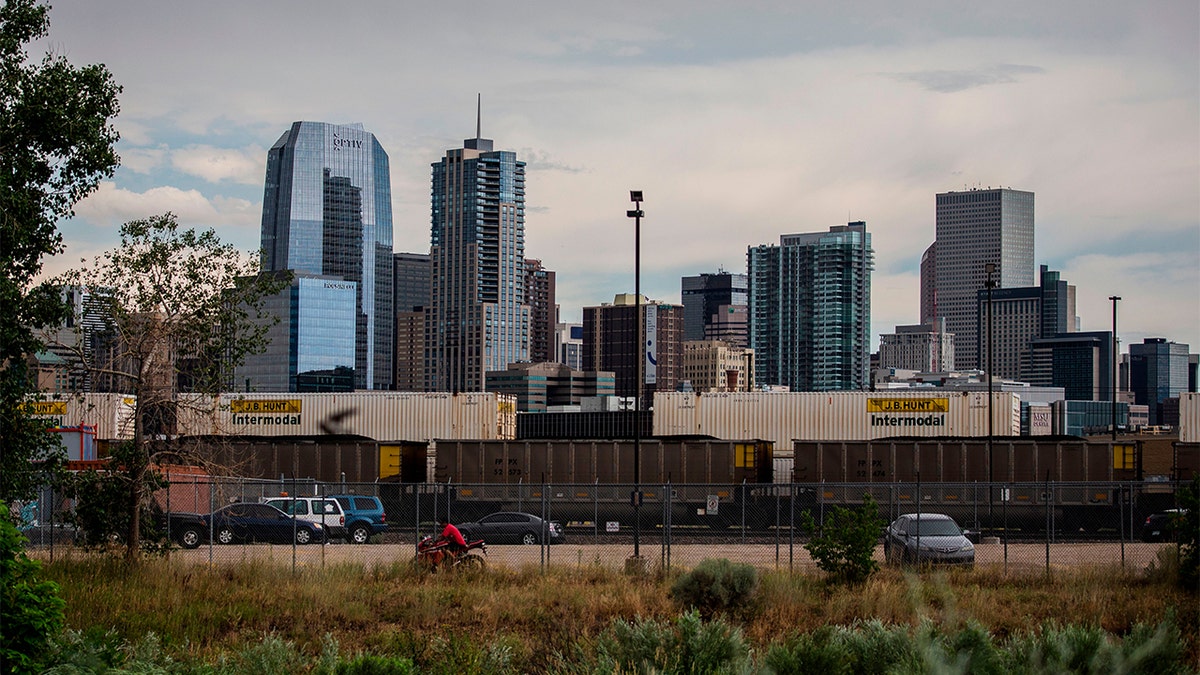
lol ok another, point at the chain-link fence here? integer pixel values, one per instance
(1017, 527)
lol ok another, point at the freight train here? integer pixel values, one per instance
(720, 483)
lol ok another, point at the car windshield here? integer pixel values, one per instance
(934, 528)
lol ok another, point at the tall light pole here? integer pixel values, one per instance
(990, 269)
(635, 196)
(1115, 354)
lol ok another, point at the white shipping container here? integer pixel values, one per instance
(1189, 417)
(782, 417)
(110, 414)
(383, 416)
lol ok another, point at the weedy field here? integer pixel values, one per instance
(589, 618)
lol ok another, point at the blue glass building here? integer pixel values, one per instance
(327, 217)
(478, 319)
(810, 309)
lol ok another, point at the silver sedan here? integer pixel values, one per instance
(927, 538)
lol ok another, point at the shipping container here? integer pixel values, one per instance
(111, 415)
(79, 442)
(1189, 417)
(781, 417)
(385, 416)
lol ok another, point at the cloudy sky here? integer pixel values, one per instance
(740, 122)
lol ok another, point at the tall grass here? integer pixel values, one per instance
(525, 620)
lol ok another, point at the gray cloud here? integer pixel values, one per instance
(950, 81)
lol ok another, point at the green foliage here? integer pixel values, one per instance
(866, 648)
(101, 516)
(366, 664)
(56, 144)
(1089, 649)
(1189, 535)
(844, 545)
(689, 645)
(31, 611)
(716, 585)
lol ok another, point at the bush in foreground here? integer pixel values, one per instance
(716, 585)
(31, 611)
(844, 545)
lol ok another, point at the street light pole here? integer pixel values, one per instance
(1115, 354)
(990, 269)
(635, 196)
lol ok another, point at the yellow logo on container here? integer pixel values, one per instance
(46, 407)
(265, 406)
(908, 405)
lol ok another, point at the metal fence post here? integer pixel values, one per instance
(1049, 523)
(791, 525)
(1121, 517)
(1007, 497)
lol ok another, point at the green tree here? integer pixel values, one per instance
(56, 144)
(844, 545)
(31, 611)
(1188, 526)
(181, 311)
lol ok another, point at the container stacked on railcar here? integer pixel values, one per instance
(384, 416)
(110, 415)
(781, 417)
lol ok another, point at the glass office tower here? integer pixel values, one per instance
(478, 318)
(327, 214)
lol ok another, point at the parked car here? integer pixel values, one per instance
(927, 538)
(364, 517)
(513, 528)
(1163, 526)
(244, 522)
(323, 510)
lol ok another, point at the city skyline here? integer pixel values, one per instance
(1100, 119)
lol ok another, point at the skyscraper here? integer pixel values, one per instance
(974, 228)
(714, 308)
(412, 297)
(1020, 315)
(543, 312)
(810, 309)
(610, 343)
(1158, 370)
(478, 319)
(327, 217)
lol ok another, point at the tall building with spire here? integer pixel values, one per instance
(478, 319)
(327, 218)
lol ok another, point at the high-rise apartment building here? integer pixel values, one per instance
(543, 312)
(478, 320)
(715, 308)
(1158, 370)
(925, 348)
(610, 343)
(810, 309)
(327, 217)
(975, 228)
(411, 272)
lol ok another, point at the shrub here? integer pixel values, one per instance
(716, 585)
(844, 545)
(31, 611)
(689, 645)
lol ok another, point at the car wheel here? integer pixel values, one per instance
(303, 536)
(529, 539)
(190, 538)
(225, 535)
(359, 534)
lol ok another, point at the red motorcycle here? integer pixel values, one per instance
(437, 556)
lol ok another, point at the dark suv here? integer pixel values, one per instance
(364, 517)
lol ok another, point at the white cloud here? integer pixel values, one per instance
(246, 165)
(110, 206)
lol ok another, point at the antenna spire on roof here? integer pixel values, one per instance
(478, 115)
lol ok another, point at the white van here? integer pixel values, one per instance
(315, 510)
